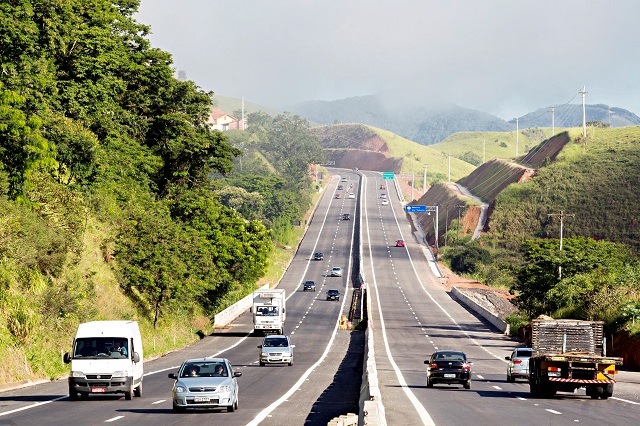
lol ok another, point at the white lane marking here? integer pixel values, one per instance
(552, 411)
(521, 398)
(497, 387)
(422, 412)
(37, 404)
(479, 377)
(158, 402)
(114, 419)
(625, 400)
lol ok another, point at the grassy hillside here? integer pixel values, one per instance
(495, 144)
(415, 156)
(596, 179)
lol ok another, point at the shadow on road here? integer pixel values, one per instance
(343, 394)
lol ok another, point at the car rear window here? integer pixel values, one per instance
(523, 353)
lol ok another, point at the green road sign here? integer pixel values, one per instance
(387, 175)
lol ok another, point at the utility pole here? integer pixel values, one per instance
(584, 92)
(449, 155)
(562, 215)
(424, 180)
(243, 119)
(413, 179)
(517, 131)
(459, 207)
(552, 110)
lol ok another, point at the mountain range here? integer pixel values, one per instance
(428, 122)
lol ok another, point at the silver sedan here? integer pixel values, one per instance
(205, 383)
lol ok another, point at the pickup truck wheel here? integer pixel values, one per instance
(73, 395)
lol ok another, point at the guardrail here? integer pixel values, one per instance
(227, 315)
(493, 319)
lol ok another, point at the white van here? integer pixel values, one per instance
(106, 358)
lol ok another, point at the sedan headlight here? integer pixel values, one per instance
(180, 388)
(77, 374)
(265, 354)
(224, 388)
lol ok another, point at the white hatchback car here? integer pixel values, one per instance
(336, 271)
(518, 364)
(352, 195)
(385, 202)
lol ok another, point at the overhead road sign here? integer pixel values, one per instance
(387, 175)
(416, 209)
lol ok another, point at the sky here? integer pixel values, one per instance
(503, 57)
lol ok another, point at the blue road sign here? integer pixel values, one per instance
(416, 209)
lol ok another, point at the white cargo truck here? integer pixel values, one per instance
(106, 358)
(269, 311)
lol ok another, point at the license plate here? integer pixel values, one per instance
(201, 399)
(449, 376)
(98, 390)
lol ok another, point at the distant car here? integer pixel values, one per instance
(449, 367)
(318, 256)
(400, 243)
(346, 216)
(383, 195)
(385, 202)
(340, 187)
(309, 286)
(344, 179)
(333, 295)
(336, 271)
(276, 350)
(205, 383)
(383, 187)
(518, 364)
(352, 195)
(338, 195)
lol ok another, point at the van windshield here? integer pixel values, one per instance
(101, 347)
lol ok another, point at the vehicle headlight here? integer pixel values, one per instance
(224, 388)
(119, 373)
(180, 388)
(265, 354)
(77, 374)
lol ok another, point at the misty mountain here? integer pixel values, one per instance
(423, 122)
(570, 115)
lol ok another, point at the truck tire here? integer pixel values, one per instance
(607, 391)
(138, 390)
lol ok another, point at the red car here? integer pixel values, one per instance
(383, 187)
(400, 243)
(338, 196)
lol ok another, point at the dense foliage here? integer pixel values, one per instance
(98, 138)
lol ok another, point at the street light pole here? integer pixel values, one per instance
(424, 180)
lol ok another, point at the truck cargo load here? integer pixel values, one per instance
(569, 354)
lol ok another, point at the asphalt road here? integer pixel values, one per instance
(324, 381)
(413, 316)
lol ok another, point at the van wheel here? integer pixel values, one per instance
(129, 394)
(138, 390)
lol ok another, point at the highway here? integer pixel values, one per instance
(412, 315)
